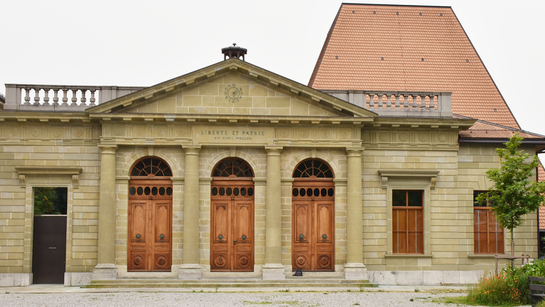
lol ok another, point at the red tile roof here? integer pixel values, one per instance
(408, 48)
(482, 129)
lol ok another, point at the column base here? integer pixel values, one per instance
(105, 271)
(190, 272)
(273, 271)
(356, 271)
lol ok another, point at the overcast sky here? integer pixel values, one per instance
(142, 43)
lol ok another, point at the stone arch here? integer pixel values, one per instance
(216, 158)
(313, 167)
(151, 165)
(296, 159)
(132, 158)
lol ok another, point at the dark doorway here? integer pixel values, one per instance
(49, 241)
(49, 253)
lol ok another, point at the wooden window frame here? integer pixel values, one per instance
(498, 244)
(417, 246)
(395, 179)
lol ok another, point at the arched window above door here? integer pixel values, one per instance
(232, 167)
(313, 168)
(151, 167)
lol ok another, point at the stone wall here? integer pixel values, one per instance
(42, 149)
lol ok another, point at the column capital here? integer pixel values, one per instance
(108, 149)
(354, 151)
(191, 149)
(273, 150)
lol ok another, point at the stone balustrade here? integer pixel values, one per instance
(406, 104)
(71, 98)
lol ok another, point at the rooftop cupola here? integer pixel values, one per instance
(234, 52)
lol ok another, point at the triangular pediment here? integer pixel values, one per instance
(232, 87)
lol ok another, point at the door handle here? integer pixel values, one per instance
(235, 242)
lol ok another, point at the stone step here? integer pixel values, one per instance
(231, 283)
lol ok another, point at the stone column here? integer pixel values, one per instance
(191, 268)
(354, 268)
(106, 268)
(273, 268)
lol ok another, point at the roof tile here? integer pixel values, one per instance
(351, 58)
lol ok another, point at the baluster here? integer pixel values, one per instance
(92, 100)
(388, 102)
(415, 105)
(37, 96)
(65, 96)
(371, 103)
(27, 95)
(397, 101)
(432, 105)
(74, 98)
(405, 102)
(83, 99)
(380, 104)
(46, 96)
(56, 97)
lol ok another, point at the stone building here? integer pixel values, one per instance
(368, 173)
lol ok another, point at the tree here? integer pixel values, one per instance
(43, 201)
(513, 194)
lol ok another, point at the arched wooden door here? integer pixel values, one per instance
(150, 216)
(313, 227)
(232, 217)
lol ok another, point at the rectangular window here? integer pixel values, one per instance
(408, 221)
(488, 235)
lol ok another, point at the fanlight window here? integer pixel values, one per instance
(151, 167)
(313, 168)
(232, 167)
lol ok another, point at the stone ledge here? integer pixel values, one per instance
(408, 256)
(76, 279)
(486, 256)
(15, 279)
(424, 278)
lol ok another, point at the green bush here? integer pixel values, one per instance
(541, 304)
(509, 287)
(504, 288)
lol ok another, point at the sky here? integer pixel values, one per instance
(142, 43)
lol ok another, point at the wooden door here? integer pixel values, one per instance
(49, 249)
(313, 204)
(150, 225)
(232, 226)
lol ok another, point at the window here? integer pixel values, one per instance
(488, 235)
(408, 221)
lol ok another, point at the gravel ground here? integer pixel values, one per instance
(148, 299)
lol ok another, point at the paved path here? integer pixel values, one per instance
(148, 299)
(57, 295)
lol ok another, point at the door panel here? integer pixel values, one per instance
(232, 223)
(150, 226)
(138, 235)
(221, 237)
(243, 228)
(49, 249)
(302, 252)
(313, 247)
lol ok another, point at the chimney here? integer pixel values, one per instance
(233, 52)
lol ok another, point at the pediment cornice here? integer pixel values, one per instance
(231, 65)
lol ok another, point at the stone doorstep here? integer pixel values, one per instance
(232, 283)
